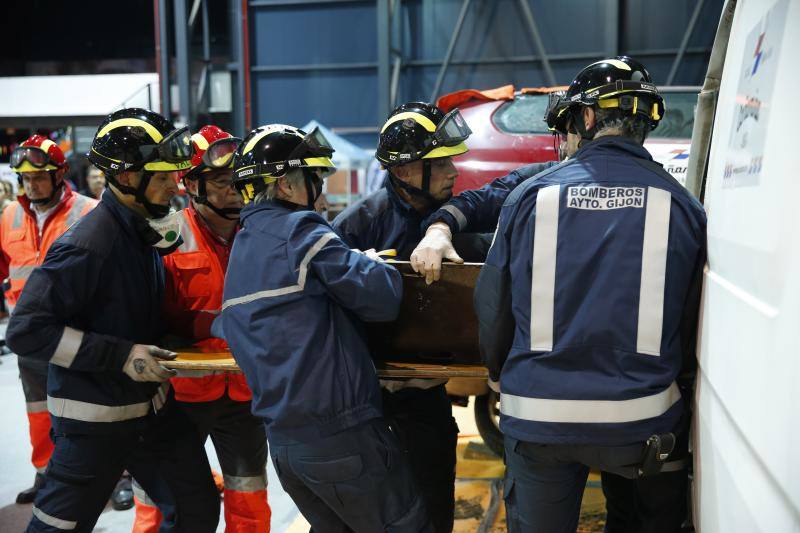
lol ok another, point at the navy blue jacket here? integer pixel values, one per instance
(588, 301)
(478, 210)
(294, 299)
(97, 293)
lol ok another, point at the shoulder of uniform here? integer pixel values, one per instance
(533, 169)
(368, 208)
(544, 176)
(96, 232)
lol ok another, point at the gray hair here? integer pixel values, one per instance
(614, 122)
(294, 177)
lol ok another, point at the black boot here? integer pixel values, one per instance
(122, 497)
(28, 495)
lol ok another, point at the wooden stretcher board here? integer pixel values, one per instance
(191, 359)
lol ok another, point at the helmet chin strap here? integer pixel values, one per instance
(154, 210)
(228, 213)
(422, 193)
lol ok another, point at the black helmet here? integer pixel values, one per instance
(269, 152)
(419, 130)
(136, 139)
(620, 82)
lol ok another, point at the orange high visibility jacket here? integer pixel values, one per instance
(193, 298)
(24, 247)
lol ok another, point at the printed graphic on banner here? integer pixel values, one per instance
(754, 99)
(597, 198)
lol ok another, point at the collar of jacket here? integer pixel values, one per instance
(401, 206)
(25, 202)
(252, 208)
(614, 143)
(132, 223)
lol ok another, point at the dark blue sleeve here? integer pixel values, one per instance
(349, 226)
(492, 299)
(56, 292)
(477, 211)
(371, 289)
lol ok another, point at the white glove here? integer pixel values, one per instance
(426, 259)
(371, 253)
(142, 363)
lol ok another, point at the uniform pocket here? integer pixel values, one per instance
(329, 470)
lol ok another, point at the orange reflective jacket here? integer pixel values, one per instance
(193, 298)
(24, 247)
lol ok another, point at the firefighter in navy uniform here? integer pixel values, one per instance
(313, 382)
(594, 351)
(93, 311)
(416, 145)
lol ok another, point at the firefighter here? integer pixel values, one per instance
(46, 207)
(217, 402)
(416, 145)
(593, 358)
(92, 310)
(295, 295)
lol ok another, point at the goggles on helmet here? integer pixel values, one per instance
(220, 153)
(452, 130)
(175, 148)
(37, 157)
(313, 151)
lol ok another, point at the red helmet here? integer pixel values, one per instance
(38, 153)
(212, 148)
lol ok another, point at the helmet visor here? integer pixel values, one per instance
(314, 144)
(37, 157)
(452, 130)
(174, 148)
(220, 153)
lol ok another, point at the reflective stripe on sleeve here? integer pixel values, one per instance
(67, 347)
(189, 242)
(36, 407)
(461, 220)
(18, 214)
(76, 209)
(301, 279)
(20, 272)
(589, 411)
(52, 521)
(654, 266)
(245, 483)
(543, 272)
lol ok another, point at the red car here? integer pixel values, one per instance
(508, 131)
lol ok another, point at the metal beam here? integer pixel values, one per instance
(315, 66)
(684, 42)
(204, 90)
(285, 3)
(239, 115)
(182, 62)
(549, 77)
(384, 36)
(163, 54)
(611, 28)
(450, 47)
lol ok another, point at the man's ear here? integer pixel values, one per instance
(588, 118)
(284, 186)
(191, 186)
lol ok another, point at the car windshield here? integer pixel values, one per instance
(524, 114)
(678, 118)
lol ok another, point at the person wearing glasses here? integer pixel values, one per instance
(46, 208)
(92, 311)
(217, 402)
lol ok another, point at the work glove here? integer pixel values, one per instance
(426, 259)
(142, 363)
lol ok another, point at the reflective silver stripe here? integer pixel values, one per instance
(209, 311)
(245, 483)
(65, 525)
(189, 242)
(41, 469)
(18, 214)
(301, 279)
(92, 412)
(76, 209)
(589, 411)
(654, 266)
(461, 220)
(197, 373)
(141, 495)
(10, 307)
(22, 272)
(67, 347)
(161, 396)
(543, 272)
(36, 407)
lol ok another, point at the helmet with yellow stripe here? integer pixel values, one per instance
(620, 83)
(270, 152)
(133, 140)
(418, 130)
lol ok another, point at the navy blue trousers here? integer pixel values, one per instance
(167, 459)
(544, 486)
(354, 481)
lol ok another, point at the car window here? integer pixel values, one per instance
(679, 116)
(524, 114)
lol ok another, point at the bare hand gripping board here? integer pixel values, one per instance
(435, 334)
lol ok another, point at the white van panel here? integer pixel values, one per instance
(747, 423)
